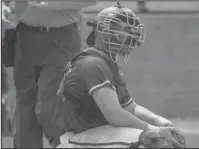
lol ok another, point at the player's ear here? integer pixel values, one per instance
(91, 39)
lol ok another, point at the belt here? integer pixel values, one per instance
(44, 29)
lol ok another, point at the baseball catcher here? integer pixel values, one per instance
(93, 93)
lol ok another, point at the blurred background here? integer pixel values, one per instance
(162, 74)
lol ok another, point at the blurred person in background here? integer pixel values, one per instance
(6, 12)
(6, 25)
(142, 6)
(47, 36)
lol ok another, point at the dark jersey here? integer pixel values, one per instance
(87, 74)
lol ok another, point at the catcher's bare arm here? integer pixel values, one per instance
(142, 113)
(99, 82)
(107, 100)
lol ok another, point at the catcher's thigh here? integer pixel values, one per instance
(101, 137)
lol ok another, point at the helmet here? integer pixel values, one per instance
(121, 31)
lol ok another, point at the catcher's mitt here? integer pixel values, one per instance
(177, 140)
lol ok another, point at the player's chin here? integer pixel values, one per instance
(126, 50)
(122, 60)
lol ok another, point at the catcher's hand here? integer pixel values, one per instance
(163, 122)
(176, 140)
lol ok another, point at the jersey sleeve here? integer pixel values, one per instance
(96, 74)
(122, 91)
(126, 98)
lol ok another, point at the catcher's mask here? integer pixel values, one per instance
(121, 32)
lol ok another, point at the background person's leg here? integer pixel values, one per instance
(27, 132)
(64, 43)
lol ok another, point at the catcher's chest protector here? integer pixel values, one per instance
(60, 116)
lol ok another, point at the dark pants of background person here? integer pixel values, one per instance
(41, 55)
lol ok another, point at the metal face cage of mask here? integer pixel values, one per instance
(121, 33)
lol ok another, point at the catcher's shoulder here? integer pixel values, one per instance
(92, 63)
(95, 67)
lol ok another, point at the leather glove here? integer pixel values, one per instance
(162, 137)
